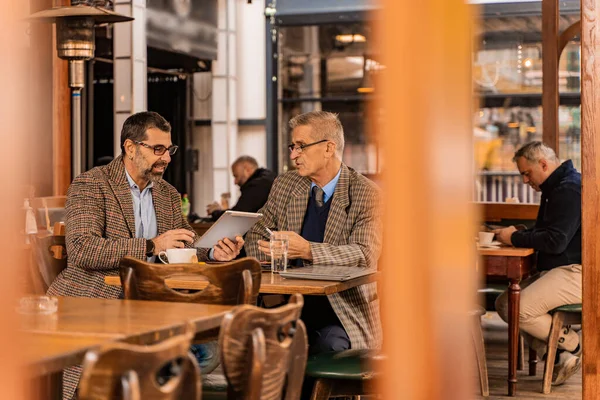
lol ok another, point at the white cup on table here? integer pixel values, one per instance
(178, 256)
(485, 238)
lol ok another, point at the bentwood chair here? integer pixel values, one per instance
(263, 353)
(562, 317)
(50, 258)
(233, 283)
(236, 282)
(130, 372)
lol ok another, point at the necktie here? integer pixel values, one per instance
(318, 193)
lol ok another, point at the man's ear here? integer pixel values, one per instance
(544, 164)
(129, 148)
(330, 149)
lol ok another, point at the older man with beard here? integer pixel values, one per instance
(123, 209)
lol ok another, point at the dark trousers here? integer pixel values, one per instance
(325, 333)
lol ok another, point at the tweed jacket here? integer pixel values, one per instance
(353, 236)
(100, 229)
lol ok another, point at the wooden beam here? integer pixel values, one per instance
(590, 216)
(61, 118)
(428, 265)
(550, 73)
(568, 34)
(500, 211)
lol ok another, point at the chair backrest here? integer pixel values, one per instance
(232, 283)
(55, 209)
(260, 348)
(125, 371)
(48, 261)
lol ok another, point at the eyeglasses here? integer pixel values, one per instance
(300, 148)
(159, 149)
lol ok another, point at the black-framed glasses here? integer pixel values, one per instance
(300, 148)
(159, 149)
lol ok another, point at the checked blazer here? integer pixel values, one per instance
(100, 230)
(353, 236)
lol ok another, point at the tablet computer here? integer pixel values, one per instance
(229, 225)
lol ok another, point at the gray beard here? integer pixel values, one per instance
(153, 177)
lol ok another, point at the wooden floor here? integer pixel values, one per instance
(495, 333)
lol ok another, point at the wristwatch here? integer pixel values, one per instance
(149, 248)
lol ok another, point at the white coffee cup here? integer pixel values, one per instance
(178, 256)
(486, 237)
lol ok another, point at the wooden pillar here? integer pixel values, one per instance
(61, 119)
(550, 73)
(590, 218)
(428, 257)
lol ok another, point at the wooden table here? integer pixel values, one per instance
(141, 322)
(513, 264)
(270, 284)
(56, 341)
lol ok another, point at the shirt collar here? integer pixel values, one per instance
(329, 188)
(134, 185)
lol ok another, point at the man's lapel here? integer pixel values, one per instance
(337, 212)
(120, 187)
(297, 206)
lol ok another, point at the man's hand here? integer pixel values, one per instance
(173, 239)
(298, 247)
(503, 235)
(214, 206)
(226, 250)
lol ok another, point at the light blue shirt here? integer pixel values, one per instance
(329, 189)
(143, 210)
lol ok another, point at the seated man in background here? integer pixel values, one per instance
(255, 184)
(125, 209)
(556, 237)
(330, 213)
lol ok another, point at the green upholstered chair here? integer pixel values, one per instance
(343, 373)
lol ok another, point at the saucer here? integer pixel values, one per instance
(493, 244)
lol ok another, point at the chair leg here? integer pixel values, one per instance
(532, 362)
(322, 389)
(521, 354)
(557, 324)
(477, 336)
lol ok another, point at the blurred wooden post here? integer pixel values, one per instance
(590, 218)
(61, 118)
(550, 58)
(428, 258)
(16, 109)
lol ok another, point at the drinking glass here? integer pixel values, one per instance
(279, 250)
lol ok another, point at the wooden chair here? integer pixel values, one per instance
(232, 283)
(477, 336)
(47, 203)
(50, 258)
(126, 371)
(561, 316)
(263, 352)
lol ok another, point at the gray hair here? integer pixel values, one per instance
(247, 160)
(135, 127)
(325, 125)
(535, 151)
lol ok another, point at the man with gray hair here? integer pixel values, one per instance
(556, 237)
(330, 214)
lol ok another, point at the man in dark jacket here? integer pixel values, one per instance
(556, 237)
(255, 184)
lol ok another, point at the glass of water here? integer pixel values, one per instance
(279, 251)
